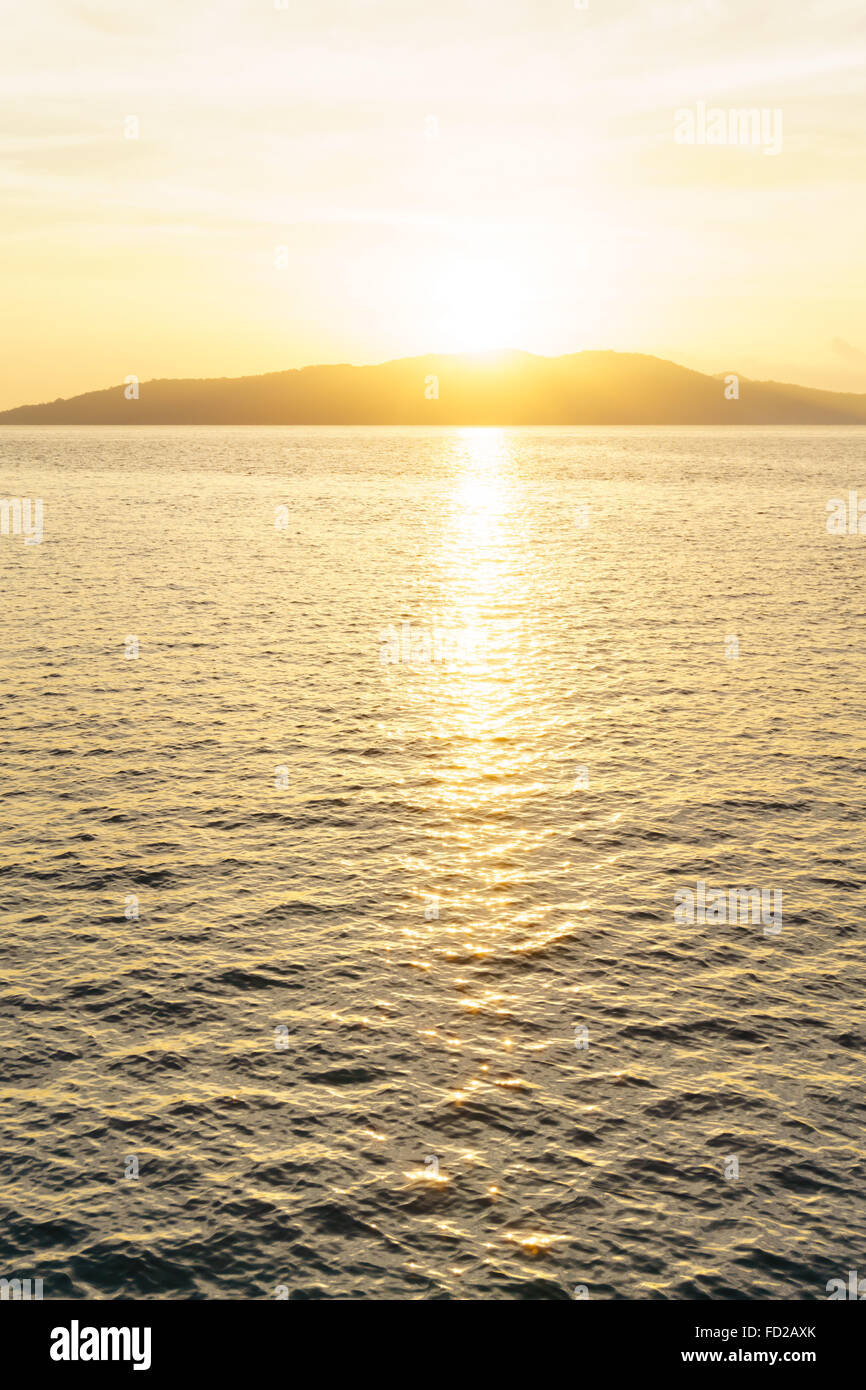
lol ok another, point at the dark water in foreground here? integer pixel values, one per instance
(378, 902)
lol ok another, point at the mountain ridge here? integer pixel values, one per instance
(513, 387)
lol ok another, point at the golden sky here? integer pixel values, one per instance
(443, 176)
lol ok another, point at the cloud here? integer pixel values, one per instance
(847, 351)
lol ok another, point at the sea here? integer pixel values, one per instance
(432, 862)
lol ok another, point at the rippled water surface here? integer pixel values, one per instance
(379, 901)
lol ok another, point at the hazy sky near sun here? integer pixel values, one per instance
(546, 205)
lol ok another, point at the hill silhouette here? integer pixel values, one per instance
(507, 388)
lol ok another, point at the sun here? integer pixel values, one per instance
(477, 309)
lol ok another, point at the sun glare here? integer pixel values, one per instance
(478, 308)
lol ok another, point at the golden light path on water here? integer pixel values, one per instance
(478, 706)
(486, 715)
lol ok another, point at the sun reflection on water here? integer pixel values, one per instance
(480, 723)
